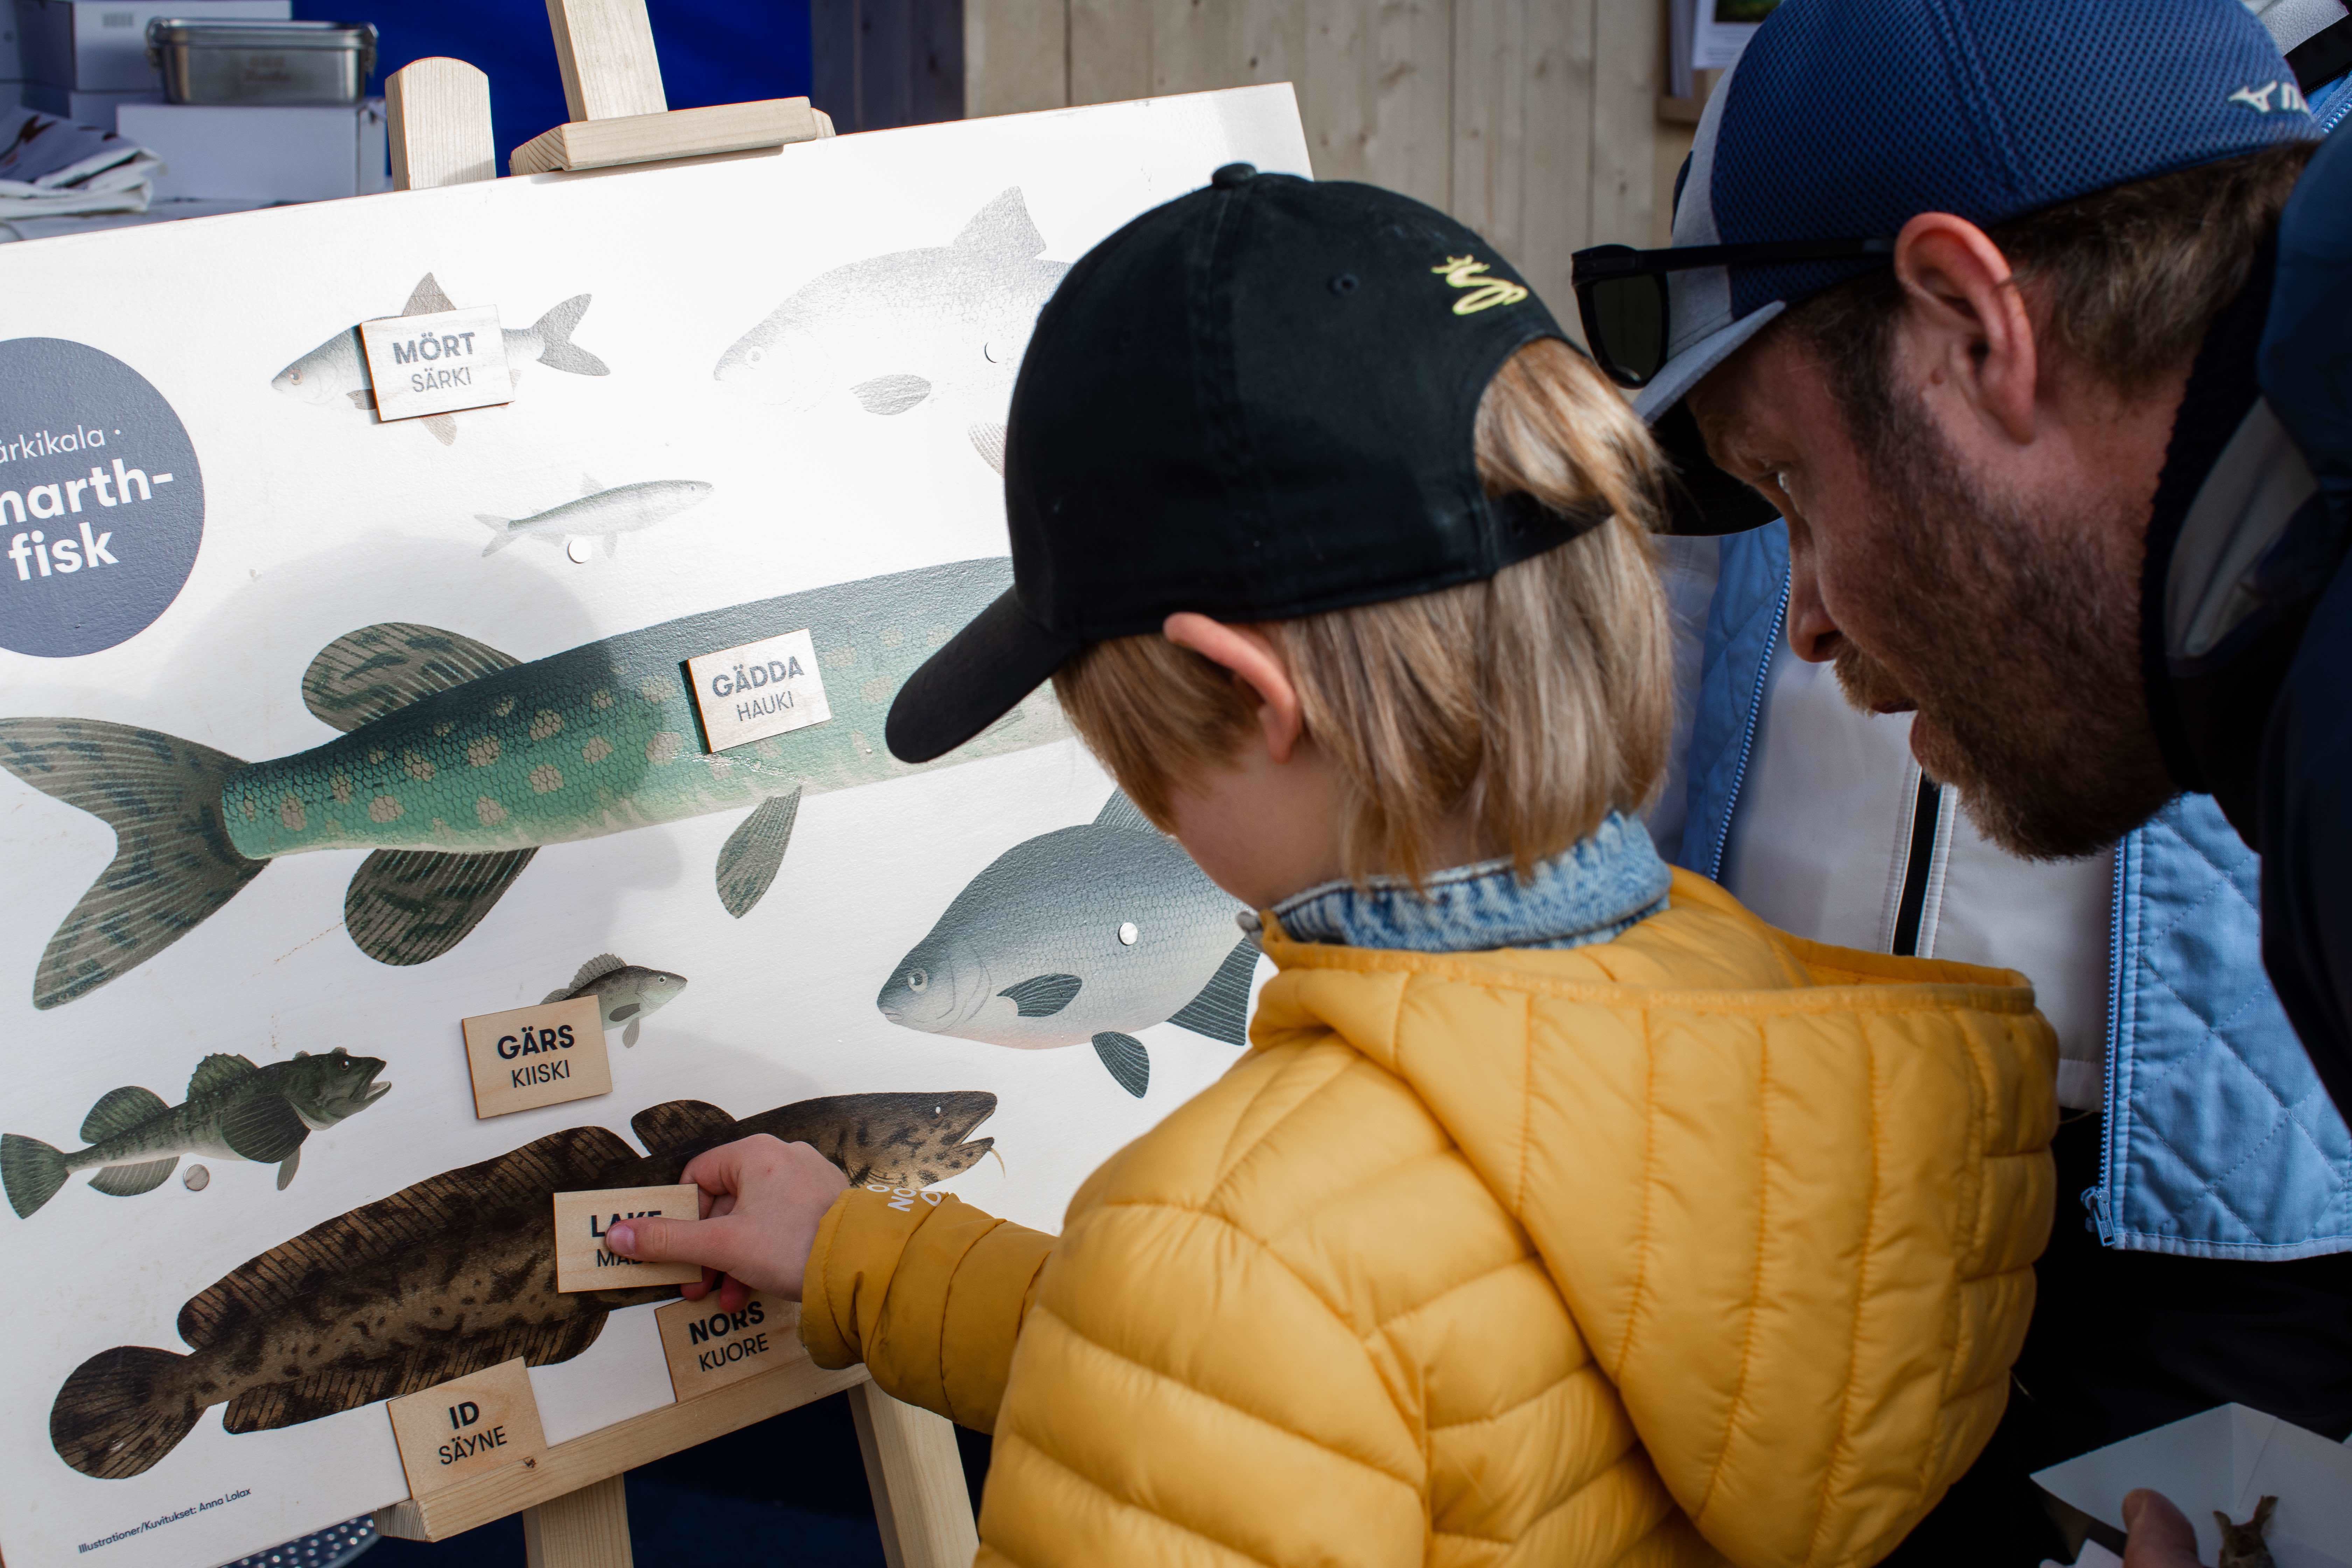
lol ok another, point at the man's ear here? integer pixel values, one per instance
(1250, 657)
(1969, 317)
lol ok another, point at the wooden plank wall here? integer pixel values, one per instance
(1534, 121)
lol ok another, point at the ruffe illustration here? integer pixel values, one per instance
(459, 763)
(450, 1276)
(1082, 935)
(947, 322)
(598, 513)
(337, 371)
(235, 1110)
(626, 993)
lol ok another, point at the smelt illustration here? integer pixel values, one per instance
(598, 513)
(450, 1276)
(626, 993)
(459, 763)
(1082, 935)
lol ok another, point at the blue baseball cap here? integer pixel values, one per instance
(1843, 119)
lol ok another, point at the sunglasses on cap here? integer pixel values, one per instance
(1621, 295)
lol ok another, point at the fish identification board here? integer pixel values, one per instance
(324, 729)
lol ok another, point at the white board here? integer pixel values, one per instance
(662, 491)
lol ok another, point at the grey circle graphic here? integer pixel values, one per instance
(101, 503)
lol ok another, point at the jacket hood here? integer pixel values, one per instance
(1792, 1193)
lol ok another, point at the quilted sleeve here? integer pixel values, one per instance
(927, 1292)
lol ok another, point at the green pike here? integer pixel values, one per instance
(235, 1110)
(458, 763)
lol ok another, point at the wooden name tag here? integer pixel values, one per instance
(537, 1055)
(708, 1349)
(583, 1218)
(469, 1425)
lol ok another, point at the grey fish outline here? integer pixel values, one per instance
(450, 1275)
(598, 513)
(235, 1110)
(1076, 936)
(626, 993)
(435, 717)
(336, 371)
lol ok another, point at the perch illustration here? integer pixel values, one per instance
(945, 323)
(450, 1276)
(598, 513)
(626, 993)
(459, 763)
(336, 371)
(235, 1110)
(1082, 936)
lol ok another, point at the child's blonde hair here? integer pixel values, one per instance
(1540, 697)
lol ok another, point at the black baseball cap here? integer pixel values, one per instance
(1257, 402)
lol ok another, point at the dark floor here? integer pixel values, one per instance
(790, 1490)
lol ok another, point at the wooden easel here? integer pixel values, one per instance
(574, 1512)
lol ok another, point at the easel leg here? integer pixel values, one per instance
(920, 1498)
(586, 1529)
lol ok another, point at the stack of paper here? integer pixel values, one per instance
(53, 168)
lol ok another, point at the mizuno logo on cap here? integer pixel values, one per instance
(2288, 97)
(1463, 272)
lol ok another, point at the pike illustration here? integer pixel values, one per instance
(450, 1276)
(336, 371)
(235, 1110)
(459, 763)
(626, 993)
(598, 513)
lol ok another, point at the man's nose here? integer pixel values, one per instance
(1812, 634)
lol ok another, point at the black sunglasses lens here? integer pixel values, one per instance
(1627, 318)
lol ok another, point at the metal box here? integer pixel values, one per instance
(273, 64)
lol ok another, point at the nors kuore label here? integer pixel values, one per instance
(709, 1348)
(102, 503)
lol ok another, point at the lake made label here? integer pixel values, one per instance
(102, 503)
(485, 1421)
(759, 690)
(436, 363)
(531, 1056)
(708, 1349)
(581, 1263)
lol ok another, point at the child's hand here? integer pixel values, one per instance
(762, 1200)
(2160, 1537)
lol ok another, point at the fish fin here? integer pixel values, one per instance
(340, 1388)
(444, 427)
(130, 1180)
(173, 865)
(120, 1110)
(750, 858)
(288, 1166)
(363, 675)
(426, 299)
(1003, 227)
(604, 963)
(1222, 1009)
(487, 520)
(589, 487)
(557, 351)
(988, 440)
(31, 1170)
(574, 1158)
(1129, 1063)
(263, 1128)
(411, 906)
(499, 543)
(364, 398)
(563, 993)
(678, 1124)
(1123, 814)
(122, 1411)
(215, 1071)
(890, 394)
(1042, 995)
(630, 1035)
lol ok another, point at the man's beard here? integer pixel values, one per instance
(2018, 645)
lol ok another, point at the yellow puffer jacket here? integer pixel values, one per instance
(1702, 1241)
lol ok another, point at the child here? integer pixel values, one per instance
(1561, 1212)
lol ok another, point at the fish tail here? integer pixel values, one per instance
(122, 1411)
(31, 1170)
(557, 351)
(501, 534)
(174, 863)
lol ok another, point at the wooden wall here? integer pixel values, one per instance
(1534, 121)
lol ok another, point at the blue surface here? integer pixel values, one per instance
(712, 51)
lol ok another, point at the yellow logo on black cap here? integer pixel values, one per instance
(1463, 272)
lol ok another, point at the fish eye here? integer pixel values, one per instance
(754, 356)
(1128, 934)
(918, 980)
(294, 377)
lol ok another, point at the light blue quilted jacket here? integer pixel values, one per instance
(2219, 1140)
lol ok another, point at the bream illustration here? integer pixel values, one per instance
(598, 513)
(336, 371)
(1082, 935)
(235, 1110)
(627, 993)
(459, 763)
(945, 323)
(450, 1276)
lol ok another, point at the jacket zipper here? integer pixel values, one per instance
(2095, 1199)
(1747, 732)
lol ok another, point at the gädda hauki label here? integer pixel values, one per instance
(761, 688)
